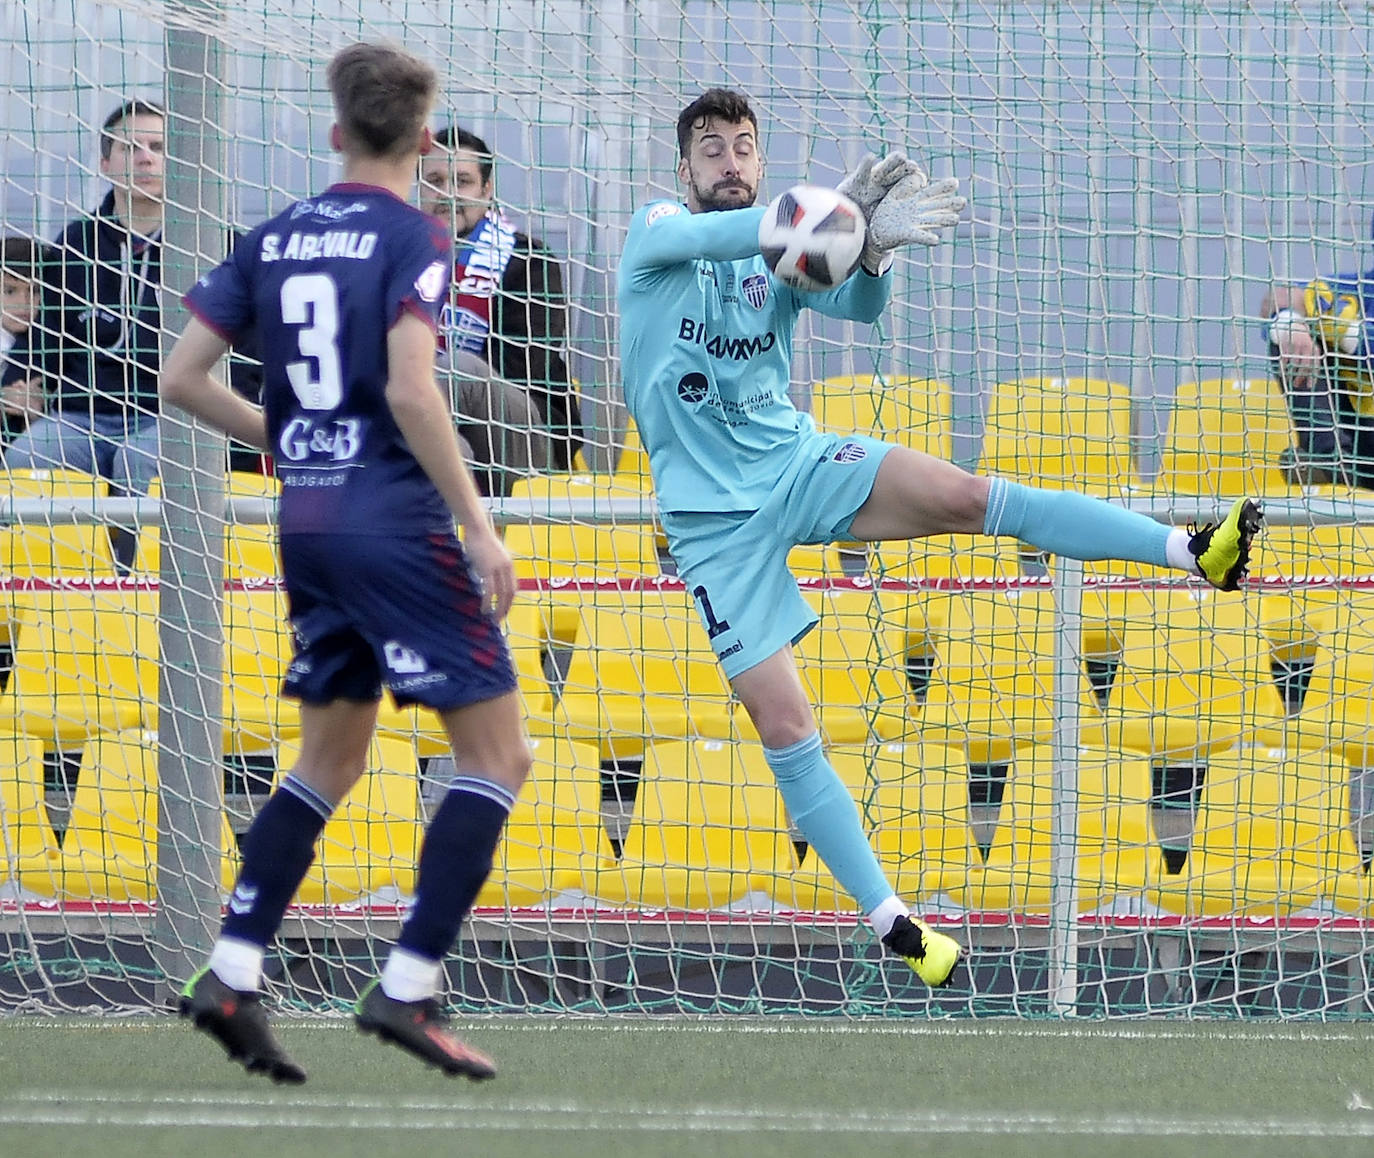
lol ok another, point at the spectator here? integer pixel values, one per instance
(21, 262)
(95, 343)
(1321, 342)
(506, 323)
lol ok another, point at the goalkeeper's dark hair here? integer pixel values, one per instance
(725, 103)
(382, 98)
(137, 107)
(455, 138)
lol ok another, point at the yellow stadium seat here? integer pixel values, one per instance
(992, 686)
(1347, 837)
(84, 662)
(552, 839)
(45, 549)
(852, 667)
(819, 562)
(642, 670)
(420, 728)
(257, 650)
(911, 412)
(110, 847)
(1316, 551)
(1189, 663)
(584, 549)
(1109, 853)
(709, 822)
(250, 549)
(250, 552)
(917, 612)
(529, 637)
(943, 557)
(1257, 843)
(1224, 438)
(370, 844)
(26, 833)
(1308, 632)
(1063, 433)
(632, 460)
(915, 805)
(1336, 713)
(566, 549)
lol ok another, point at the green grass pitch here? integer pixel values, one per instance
(150, 1087)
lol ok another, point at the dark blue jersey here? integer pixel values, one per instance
(319, 286)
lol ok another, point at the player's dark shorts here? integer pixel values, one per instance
(372, 610)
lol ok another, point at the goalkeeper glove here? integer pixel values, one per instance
(912, 213)
(871, 180)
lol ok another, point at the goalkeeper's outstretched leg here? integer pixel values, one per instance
(915, 495)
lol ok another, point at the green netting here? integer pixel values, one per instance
(1138, 175)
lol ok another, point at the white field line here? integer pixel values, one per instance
(603, 1023)
(136, 1109)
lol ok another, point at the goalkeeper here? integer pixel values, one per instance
(741, 476)
(1321, 341)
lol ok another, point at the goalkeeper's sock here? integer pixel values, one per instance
(828, 819)
(277, 852)
(454, 862)
(1076, 526)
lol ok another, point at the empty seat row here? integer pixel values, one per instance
(1177, 672)
(54, 546)
(1263, 834)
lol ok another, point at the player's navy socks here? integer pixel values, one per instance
(454, 862)
(277, 852)
(1073, 525)
(826, 815)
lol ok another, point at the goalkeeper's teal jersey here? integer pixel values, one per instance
(706, 351)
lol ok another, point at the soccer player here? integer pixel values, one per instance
(342, 293)
(742, 477)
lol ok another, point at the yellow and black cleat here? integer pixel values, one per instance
(932, 955)
(1223, 549)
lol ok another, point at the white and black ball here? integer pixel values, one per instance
(812, 237)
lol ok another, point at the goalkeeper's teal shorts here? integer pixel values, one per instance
(734, 563)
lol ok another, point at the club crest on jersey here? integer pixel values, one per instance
(755, 288)
(851, 452)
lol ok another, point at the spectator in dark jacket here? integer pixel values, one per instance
(506, 325)
(95, 343)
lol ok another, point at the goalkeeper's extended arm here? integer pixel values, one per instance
(667, 234)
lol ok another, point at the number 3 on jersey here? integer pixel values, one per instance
(311, 300)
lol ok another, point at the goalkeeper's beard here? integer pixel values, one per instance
(711, 201)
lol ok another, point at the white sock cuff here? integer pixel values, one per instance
(407, 976)
(885, 916)
(238, 964)
(1177, 553)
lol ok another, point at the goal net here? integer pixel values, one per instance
(1127, 794)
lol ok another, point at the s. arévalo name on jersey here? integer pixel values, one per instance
(309, 246)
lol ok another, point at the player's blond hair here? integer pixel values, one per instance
(382, 97)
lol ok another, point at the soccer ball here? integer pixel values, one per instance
(812, 237)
